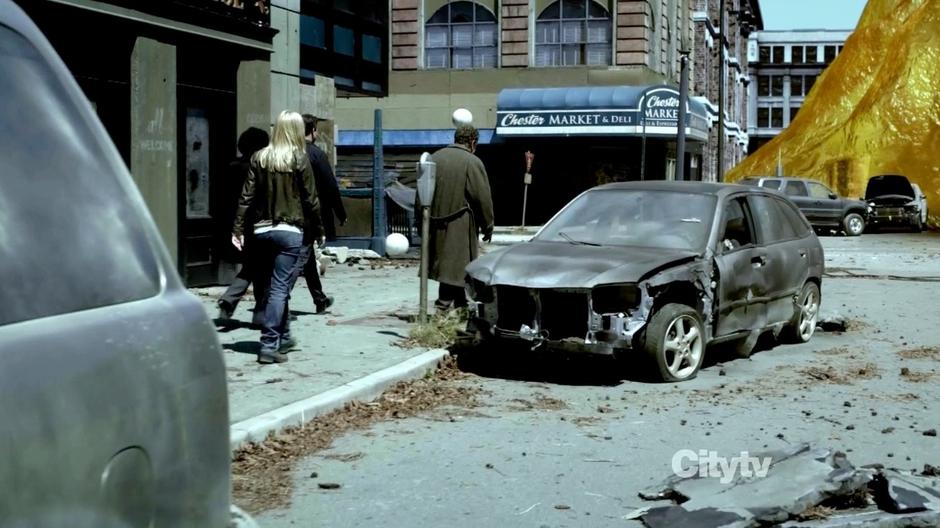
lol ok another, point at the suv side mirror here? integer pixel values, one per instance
(833, 196)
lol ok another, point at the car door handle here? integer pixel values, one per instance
(759, 260)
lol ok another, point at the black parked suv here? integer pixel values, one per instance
(894, 202)
(823, 208)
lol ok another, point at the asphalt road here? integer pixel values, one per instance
(565, 443)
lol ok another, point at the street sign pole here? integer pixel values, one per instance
(527, 180)
(680, 124)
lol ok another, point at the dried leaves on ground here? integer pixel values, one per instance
(920, 353)
(262, 472)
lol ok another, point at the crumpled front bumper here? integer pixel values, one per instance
(606, 334)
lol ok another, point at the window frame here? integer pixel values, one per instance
(584, 44)
(800, 184)
(452, 49)
(742, 199)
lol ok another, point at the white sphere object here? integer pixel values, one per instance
(396, 244)
(462, 116)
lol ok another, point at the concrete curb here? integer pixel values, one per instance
(363, 389)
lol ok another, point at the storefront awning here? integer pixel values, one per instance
(597, 111)
(406, 138)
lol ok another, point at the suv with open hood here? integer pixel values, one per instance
(894, 202)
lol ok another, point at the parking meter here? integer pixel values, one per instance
(427, 173)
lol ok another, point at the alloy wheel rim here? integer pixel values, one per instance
(682, 347)
(809, 311)
(855, 225)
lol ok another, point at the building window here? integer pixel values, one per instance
(811, 54)
(808, 82)
(344, 41)
(763, 85)
(763, 118)
(793, 111)
(776, 117)
(764, 54)
(571, 33)
(778, 55)
(796, 54)
(830, 54)
(776, 86)
(312, 32)
(372, 48)
(461, 35)
(796, 85)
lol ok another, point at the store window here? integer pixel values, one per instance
(572, 33)
(461, 35)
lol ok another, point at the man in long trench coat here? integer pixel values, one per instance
(461, 209)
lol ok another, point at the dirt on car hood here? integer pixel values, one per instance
(562, 265)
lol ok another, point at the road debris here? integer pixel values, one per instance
(328, 485)
(804, 486)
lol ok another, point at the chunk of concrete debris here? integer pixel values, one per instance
(833, 322)
(762, 489)
(340, 253)
(801, 487)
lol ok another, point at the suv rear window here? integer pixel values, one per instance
(771, 184)
(69, 237)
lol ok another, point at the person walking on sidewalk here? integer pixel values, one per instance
(330, 203)
(252, 140)
(462, 208)
(282, 199)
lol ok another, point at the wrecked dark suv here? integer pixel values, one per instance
(655, 272)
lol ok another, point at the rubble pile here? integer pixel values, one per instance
(804, 487)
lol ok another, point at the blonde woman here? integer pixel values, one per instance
(281, 196)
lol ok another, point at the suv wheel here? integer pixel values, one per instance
(854, 224)
(917, 226)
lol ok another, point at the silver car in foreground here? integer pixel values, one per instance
(112, 389)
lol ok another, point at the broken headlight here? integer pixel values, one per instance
(479, 292)
(615, 298)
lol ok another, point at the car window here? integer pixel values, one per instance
(736, 231)
(771, 224)
(69, 238)
(794, 217)
(818, 190)
(795, 188)
(771, 184)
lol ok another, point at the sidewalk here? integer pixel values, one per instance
(353, 339)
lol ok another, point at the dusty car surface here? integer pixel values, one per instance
(823, 208)
(895, 203)
(112, 391)
(653, 273)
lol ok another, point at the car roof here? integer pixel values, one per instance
(691, 187)
(793, 178)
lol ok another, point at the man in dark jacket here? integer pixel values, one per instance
(330, 203)
(252, 140)
(461, 209)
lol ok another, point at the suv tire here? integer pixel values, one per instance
(674, 342)
(853, 224)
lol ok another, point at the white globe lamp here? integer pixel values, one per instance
(462, 116)
(396, 245)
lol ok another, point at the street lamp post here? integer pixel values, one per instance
(680, 124)
(721, 91)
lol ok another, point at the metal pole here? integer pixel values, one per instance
(721, 91)
(425, 229)
(525, 197)
(379, 218)
(680, 124)
(643, 152)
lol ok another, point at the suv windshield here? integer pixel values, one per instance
(654, 219)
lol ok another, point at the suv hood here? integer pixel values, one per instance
(892, 188)
(562, 265)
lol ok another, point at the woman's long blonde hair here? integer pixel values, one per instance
(288, 138)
